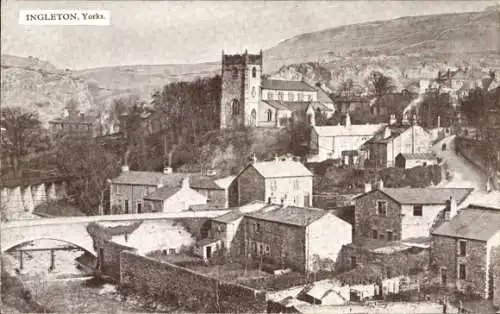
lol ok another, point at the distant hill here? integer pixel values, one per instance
(459, 34)
(406, 49)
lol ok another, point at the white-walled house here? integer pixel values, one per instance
(173, 199)
(328, 142)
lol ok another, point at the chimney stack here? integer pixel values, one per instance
(185, 183)
(380, 184)
(387, 132)
(368, 187)
(347, 120)
(453, 207)
(125, 168)
(254, 158)
(167, 170)
(392, 119)
(276, 158)
(159, 184)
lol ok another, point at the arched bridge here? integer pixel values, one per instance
(73, 230)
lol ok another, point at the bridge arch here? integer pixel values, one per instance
(83, 246)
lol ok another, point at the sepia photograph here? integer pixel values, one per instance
(250, 156)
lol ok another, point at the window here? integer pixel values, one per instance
(254, 72)
(268, 249)
(270, 95)
(389, 235)
(462, 248)
(171, 251)
(353, 262)
(461, 272)
(281, 95)
(273, 185)
(254, 245)
(126, 206)
(382, 236)
(417, 210)
(235, 72)
(309, 97)
(261, 249)
(374, 233)
(254, 227)
(269, 115)
(382, 208)
(258, 227)
(291, 97)
(296, 184)
(254, 92)
(235, 107)
(300, 96)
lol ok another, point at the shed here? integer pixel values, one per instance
(406, 161)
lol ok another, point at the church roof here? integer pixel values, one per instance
(287, 85)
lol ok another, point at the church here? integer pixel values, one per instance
(248, 99)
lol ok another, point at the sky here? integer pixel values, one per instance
(166, 32)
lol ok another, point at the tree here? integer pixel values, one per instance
(379, 85)
(89, 165)
(22, 135)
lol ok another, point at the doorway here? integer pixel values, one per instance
(209, 252)
(444, 277)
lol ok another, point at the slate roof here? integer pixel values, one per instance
(323, 96)
(291, 215)
(281, 169)
(147, 178)
(238, 212)
(395, 132)
(287, 85)
(163, 193)
(225, 182)
(426, 196)
(353, 130)
(203, 182)
(472, 223)
(426, 156)
(75, 119)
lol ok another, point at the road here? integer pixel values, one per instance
(464, 174)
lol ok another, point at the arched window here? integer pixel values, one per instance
(253, 117)
(235, 72)
(235, 107)
(254, 72)
(269, 115)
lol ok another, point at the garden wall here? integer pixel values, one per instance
(184, 286)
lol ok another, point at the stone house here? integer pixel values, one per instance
(393, 140)
(76, 124)
(227, 231)
(173, 198)
(127, 191)
(305, 239)
(277, 182)
(390, 214)
(206, 185)
(328, 142)
(407, 161)
(465, 251)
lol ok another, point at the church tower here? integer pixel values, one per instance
(241, 80)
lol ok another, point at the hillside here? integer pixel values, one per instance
(453, 35)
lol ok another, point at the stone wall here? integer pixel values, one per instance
(184, 286)
(366, 218)
(399, 263)
(109, 257)
(444, 258)
(251, 186)
(496, 277)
